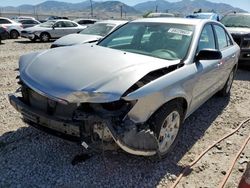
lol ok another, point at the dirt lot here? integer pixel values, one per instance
(30, 158)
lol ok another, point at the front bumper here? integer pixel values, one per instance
(69, 129)
(244, 58)
(64, 129)
(28, 35)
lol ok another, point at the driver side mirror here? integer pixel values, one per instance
(208, 54)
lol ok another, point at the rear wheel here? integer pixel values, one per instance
(227, 87)
(44, 37)
(166, 123)
(14, 34)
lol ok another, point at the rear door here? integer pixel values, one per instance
(71, 27)
(225, 45)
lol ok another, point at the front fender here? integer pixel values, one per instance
(176, 84)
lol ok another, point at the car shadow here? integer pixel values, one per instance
(48, 159)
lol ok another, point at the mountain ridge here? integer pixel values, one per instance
(182, 7)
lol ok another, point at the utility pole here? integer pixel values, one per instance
(121, 10)
(156, 8)
(91, 7)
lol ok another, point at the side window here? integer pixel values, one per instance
(4, 21)
(206, 38)
(229, 41)
(59, 24)
(69, 24)
(221, 37)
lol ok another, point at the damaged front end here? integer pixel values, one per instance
(95, 126)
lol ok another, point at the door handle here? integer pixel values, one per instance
(220, 63)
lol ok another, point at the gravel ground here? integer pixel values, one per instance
(30, 158)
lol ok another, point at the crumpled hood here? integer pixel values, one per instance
(238, 30)
(86, 73)
(73, 39)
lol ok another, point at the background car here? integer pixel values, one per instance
(22, 17)
(134, 88)
(205, 15)
(83, 21)
(91, 34)
(238, 24)
(3, 34)
(52, 29)
(28, 22)
(159, 14)
(56, 18)
(12, 27)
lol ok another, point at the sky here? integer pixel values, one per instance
(243, 4)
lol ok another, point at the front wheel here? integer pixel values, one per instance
(166, 123)
(44, 37)
(225, 91)
(34, 39)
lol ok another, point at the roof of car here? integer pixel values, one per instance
(239, 13)
(90, 19)
(171, 20)
(205, 13)
(117, 22)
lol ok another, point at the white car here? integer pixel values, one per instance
(51, 29)
(11, 26)
(93, 33)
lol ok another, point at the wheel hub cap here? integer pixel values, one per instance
(169, 131)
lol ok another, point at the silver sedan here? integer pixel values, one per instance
(52, 29)
(133, 89)
(93, 33)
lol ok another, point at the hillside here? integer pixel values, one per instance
(110, 9)
(185, 6)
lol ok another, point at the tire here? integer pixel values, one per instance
(14, 34)
(225, 91)
(34, 39)
(44, 37)
(166, 124)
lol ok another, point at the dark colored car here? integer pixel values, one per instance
(3, 34)
(56, 18)
(238, 24)
(83, 21)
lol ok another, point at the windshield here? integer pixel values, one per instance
(101, 29)
(47, 24)
(236, 20)
(161, 40)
